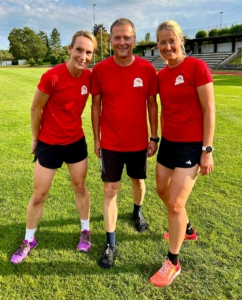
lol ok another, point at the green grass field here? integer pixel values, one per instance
(211, 267)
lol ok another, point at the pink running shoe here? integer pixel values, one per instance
(85, 241)
(187, 237)
(166, 274)
(23, 251)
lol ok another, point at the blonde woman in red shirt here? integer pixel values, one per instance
(187, 122)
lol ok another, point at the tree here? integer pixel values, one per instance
(213, 32)
(55, 42)
(235, 29)
(45, 40)
(201, 34)
(97, 29)
(4, 54)
(102, 40)
(147, 37)
(224, 31)
(26, 44)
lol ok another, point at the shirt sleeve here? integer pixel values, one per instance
(202, 73)
(48, 83)
(153, 82)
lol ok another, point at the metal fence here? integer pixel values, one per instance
(191, 33)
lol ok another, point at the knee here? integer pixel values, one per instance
(161, 192)
(38, 197)
(80, 188)
(174, 208)
(111, 190)
(139, 183)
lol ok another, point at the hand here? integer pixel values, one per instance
(97, 148)
(152, 148)
(33, 146)
(206, 163)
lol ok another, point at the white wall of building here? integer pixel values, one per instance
(6, 63)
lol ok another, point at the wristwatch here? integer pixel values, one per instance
(156, 140)
(207, 149)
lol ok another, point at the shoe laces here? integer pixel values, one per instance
(165, 267)
(141, 219)
(22, 248)
(109, 251)
(85, 237)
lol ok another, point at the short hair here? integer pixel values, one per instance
(176, 28)
(122, 21)
(86, 34)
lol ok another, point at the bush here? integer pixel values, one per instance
(31, 62)
(213, 32)
(201, 34)
(236, 29)
(40, 61)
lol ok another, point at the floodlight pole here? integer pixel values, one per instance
(94, 30)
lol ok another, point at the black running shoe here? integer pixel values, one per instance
(107, 259)
(140, 223)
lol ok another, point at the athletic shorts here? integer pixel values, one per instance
(53, 156)
(179, 154)
(112, 164)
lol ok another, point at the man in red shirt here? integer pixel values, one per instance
(123, 88)
(58, 136)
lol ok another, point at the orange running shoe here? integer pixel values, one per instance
(166, 274)
(187, 237)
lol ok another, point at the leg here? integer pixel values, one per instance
(110, 205)
(42, 182)
(138, 190)
(110, 210)
(78, 173)
(181, 184)
(174, 186)
(163, 180)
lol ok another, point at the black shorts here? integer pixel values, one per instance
(53, 156)
(112, 164)
(179, 154)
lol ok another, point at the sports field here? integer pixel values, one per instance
(211, 267)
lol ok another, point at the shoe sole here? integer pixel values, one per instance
(159, 285)
(167, 239)
(142, 229)
(83, 250)
(105, 266)
(19, 262)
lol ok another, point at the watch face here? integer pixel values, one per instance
(209, 149)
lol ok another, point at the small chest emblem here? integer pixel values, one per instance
(84, 90)
(179, 80)
(138, 82)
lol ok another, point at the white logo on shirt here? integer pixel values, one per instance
(84, 90)
(179, 80)
(138, 82)
(188, 162)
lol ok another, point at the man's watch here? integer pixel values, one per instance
(207, 149)
(156, 140)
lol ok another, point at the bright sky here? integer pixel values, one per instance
(69, 16)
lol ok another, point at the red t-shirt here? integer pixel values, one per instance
(124, 92)
(182, 116)
(61, 121)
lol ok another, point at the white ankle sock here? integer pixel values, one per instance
(29, 234)
(84, 224)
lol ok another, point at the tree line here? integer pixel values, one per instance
(234, 29)
(39, 47)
